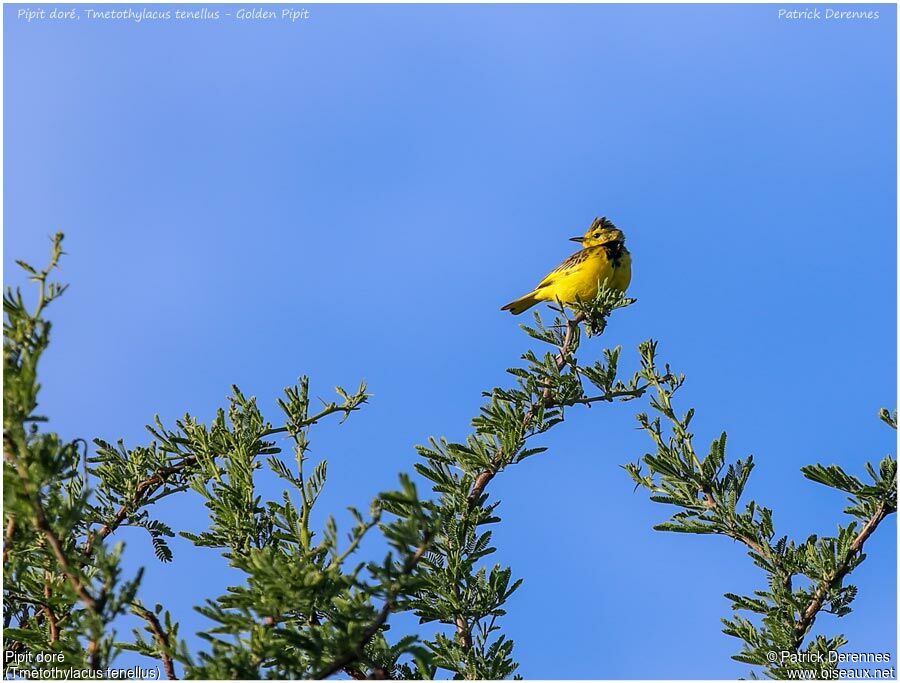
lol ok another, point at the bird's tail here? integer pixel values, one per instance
(521, 305)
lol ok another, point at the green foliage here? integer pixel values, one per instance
(53, 600)
(460, 588)
(804, 578)
(307, 601)
(310, 603)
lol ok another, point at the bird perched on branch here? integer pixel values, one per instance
(603, 258)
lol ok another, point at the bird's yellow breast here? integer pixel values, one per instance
(589, 268)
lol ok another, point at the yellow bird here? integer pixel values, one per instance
(603, 257)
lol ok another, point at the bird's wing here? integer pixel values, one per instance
(570, 263)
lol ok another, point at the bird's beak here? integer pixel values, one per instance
(576, 239)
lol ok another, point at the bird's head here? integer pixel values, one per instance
(602, 231)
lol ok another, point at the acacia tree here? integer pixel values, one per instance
(310, 605)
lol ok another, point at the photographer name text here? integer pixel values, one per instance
(828, 14)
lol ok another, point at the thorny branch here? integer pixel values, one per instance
(484, 477)
(547, 400)
(162, 638)
(8, 536)
(808, 616)
(42, 525)
(142, 492)
(49, 613)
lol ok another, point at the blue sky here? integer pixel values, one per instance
(356, 195)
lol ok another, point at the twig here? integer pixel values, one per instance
(314, 621)
(731, 531)
(54, 624)
(613, 395)
(7, 538)
(485, 476)
(463, 632)
(709, 498)
(329, 409)
(161, 637)
(48, 611)
(142, 491)
(351, 656)
(808, 617)
(146, 488)
(41, 523)
(93, 651)
(44, 612)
